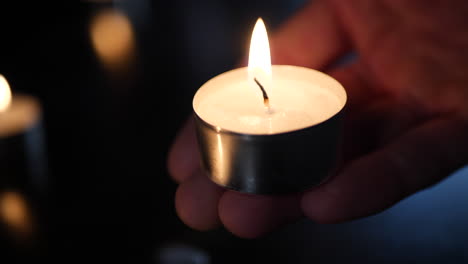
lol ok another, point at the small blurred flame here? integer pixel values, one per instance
(259, 55)
(5, 94)
(15, 213)
(113, 38)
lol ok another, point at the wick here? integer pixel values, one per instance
(266, 100)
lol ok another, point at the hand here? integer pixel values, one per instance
(406, 126)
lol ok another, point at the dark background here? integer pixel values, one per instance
(108, 129)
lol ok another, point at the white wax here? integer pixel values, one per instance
(299, 98)
(23, 113)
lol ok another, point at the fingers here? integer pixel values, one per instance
(371, 184)
(250, 216)
(197, 202)
(311, 38)
(184, 158)
(203, 205)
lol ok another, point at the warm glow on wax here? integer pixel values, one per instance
(5, 94)
(259, 54)
(294, 97)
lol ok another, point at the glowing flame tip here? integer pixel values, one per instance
(259, 54)
(5, 94)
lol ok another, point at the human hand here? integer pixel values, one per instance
(406, 124)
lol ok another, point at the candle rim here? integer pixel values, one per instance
(342, 96)
(221, 130)
(223, 74)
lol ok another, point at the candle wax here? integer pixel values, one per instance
(299, 98)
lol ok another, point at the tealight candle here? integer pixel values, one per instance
(21, 147)
(268, 129)
(300, 98)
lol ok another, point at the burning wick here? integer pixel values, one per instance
(266, 101)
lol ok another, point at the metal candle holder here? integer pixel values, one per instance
(271, 164)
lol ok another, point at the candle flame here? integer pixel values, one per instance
(5, 94)
(16, 214)
(259, 55)
(113, 38)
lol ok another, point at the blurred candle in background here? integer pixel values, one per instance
(16, 215)
(113, 40)
(23, 179)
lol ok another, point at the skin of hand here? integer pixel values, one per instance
(406, 125)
